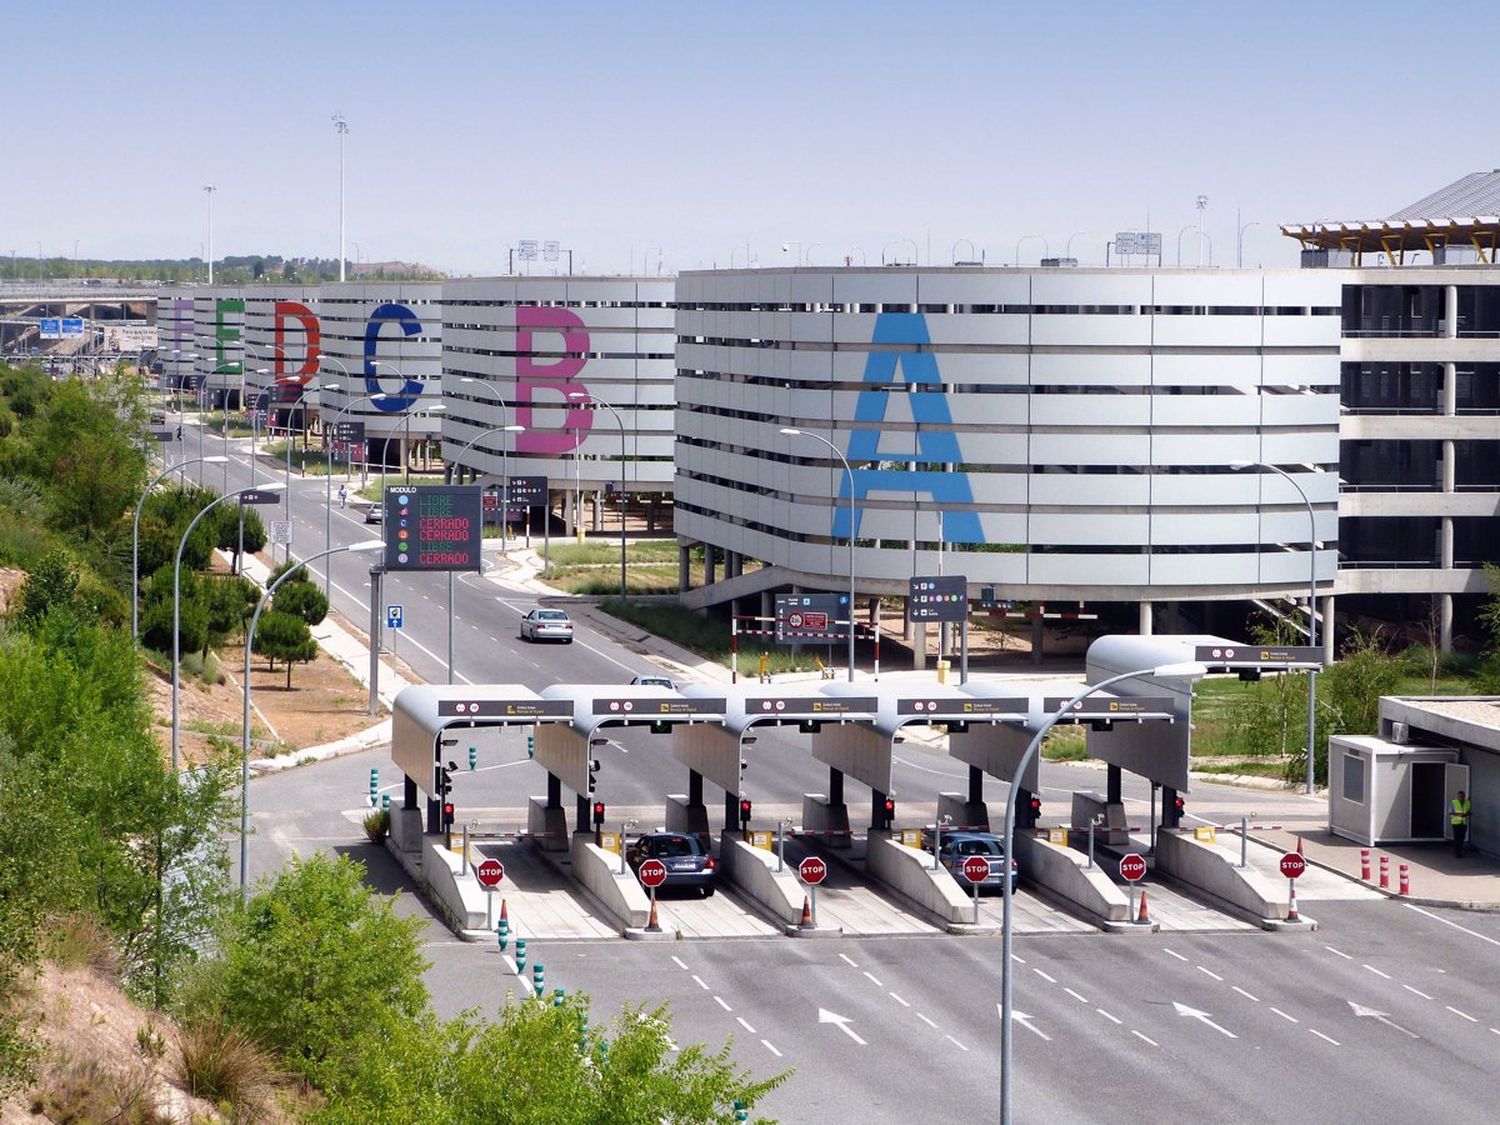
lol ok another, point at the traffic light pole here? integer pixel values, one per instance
(376, 621)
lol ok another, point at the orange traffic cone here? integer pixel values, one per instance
(1141, 915)
(651, 923)
(1291, 904)
(807, 921)
(1299, 845)
(504, 915)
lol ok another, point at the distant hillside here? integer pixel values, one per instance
(233, 269)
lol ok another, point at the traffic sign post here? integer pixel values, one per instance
(395, 616)
(976, 869)
(489, 872)
(652, 874)
(1292, 865)
(812, 871)
(1133, 870)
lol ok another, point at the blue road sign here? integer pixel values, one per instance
(394, 616)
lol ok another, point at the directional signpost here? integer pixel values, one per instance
(938, 597)
(812, 871)
(1133, 870)
(976, 870)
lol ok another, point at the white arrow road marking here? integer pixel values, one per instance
(825, 1016)
(1202, 1017)
(1380, 1017)
(1025, 1021)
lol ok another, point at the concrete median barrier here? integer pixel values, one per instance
(911, 872)
(1207, 869)
(599, 871)
(460, 897)
(753, 871)
(1065, 874)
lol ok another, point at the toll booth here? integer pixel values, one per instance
(1382, 792)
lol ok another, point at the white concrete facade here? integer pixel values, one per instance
(218, 331)
(1075, 427)
(282, 339)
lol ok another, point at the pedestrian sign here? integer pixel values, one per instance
(394, 616)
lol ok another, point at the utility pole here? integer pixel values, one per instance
(208, 190)
(341, 126)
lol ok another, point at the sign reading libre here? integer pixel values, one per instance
(433, 528)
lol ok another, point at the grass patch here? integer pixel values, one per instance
(606, 554)
(80, 941)
(85, 1089)
(222, 1064)
(604, 582)
(709, 637)
(1066, 744)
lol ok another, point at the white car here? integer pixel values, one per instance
(547, 625)
(655, 681)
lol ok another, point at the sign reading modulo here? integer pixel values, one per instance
(433, 528)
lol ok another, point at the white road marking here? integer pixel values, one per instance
(1245, 994)
(852, 964)
(722, 1004)
(1209, 972)
(1044, 976)
(1418, 992)
(1202, 1017)
(925, 1020)
(955, 1042)
(1017, 960)
(680, 963)
(1075, 996)
(1377, 972)
(699, 981)
(898, 1000)
(1345, 956)
(1025, 1021)
(1456, 1012)
(825, 1016)
(1496, 1030)
(766, 1043)
(1138, 1035)
(1455, 925)
(1174, 953)
(745, 1025)
(1109, 1017)
(1284, 1016)
(1320, 1035)
(873, 981)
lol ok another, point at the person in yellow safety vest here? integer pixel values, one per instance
(1458, 819)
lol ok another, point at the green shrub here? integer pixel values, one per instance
(377, 825)
(80, 941)
(222, 1064)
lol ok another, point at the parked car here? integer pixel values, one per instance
(959, 846)
(375, 513)
(687, 862)
(655, 681)
(547, 625)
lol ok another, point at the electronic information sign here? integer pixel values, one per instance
(433, 528)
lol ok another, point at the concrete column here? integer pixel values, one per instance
(767, 603)
(1445, 623)
(583, 812)
(1327, 636)
(919, 644)
(568, 514)
(731, 811)
(906, 620)
(732, 562)
(1037, 637)
(835, 786)
(684, 566)
(1450, 321)
(1113, 784)
(1145, 619)
(695, 787)
(554, 791)
(408, 793)
(976, 785)
(598, 501)
(877, 810)
(708, 564)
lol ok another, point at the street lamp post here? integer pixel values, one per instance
(367, 545)
(793, 432)
(437, 408)
(135, 539)
(1006, 961)
(341, 126)
(1046, 246)
(208, 191)
(1312, 603)
(177, 605)
(328, 477)
(624, 496)
(504, 470)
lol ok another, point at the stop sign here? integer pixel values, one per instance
(489, 872)
(1132, 867)
(652, 873)
(812, 870)
(1293, 865)
(976, 869)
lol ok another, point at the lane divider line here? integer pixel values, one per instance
(1418, 992)
(766, 1043)
(898, 1000)
(699, 981)
(1245, 994)
(852, 964)
(1210, 972)
(1455, 925)
(722, 1004)
(956, 1043)
(927, 1021)
(1456, 1012)
(1173, 953)
(1044, 976)
(872, 979)
(1284, 1016)
(1345, 956)
(1320, 1035)
(1112, 1019)
(1377, 972)
(745, 1025)
(1075, 996)
(1144, 1038)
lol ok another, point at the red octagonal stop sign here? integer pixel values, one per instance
(652, 873)
(1132, 867)
(812, 870)
(1292, 865)
(489, 872)
(976, 869)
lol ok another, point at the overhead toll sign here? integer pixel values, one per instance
(655, 708)
(506, 708)
(938, 597)
(433, 528)
(810, 617)
(801, 705)
(963, 708)
(1264, 657)
(1097, 707)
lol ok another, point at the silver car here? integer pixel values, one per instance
(547, 625)
(959, 846)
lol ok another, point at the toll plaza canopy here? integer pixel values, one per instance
(420, 714)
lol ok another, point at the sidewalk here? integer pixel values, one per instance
(1438, 877)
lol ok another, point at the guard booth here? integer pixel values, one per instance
(1385, 792)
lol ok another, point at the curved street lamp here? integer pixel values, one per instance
(1007, 962)
(177, 603)
(916, 252)
(135, 537)
(1046, 247)
(367, 545)
(1312, 601)
(328, 477)
(792, 431)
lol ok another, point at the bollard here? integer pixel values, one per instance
(463, 860)
(740, 1112)
(385, 802)
(558, 996)
(1364, 864)
(473, 758)
(502, 933)
(520, 955)
(1405, 879)
(1385, 872)
(1244, 842)
(374, 786)
(538, 979)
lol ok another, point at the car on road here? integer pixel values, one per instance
(655, 681)
(375, 513)
(547, 625)
(959, 846)
(688, 864)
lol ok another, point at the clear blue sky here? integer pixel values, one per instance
(632, 131)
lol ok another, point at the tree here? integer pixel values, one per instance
(51, 583)
(92, 465)
(318, 968)
(192, 611)
(302, 600)
(280, 636)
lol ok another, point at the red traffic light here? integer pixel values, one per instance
(745, 809)
(598, 812)
(1036, 804)
(890, 806)
(448, 812)
(1178, 803)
